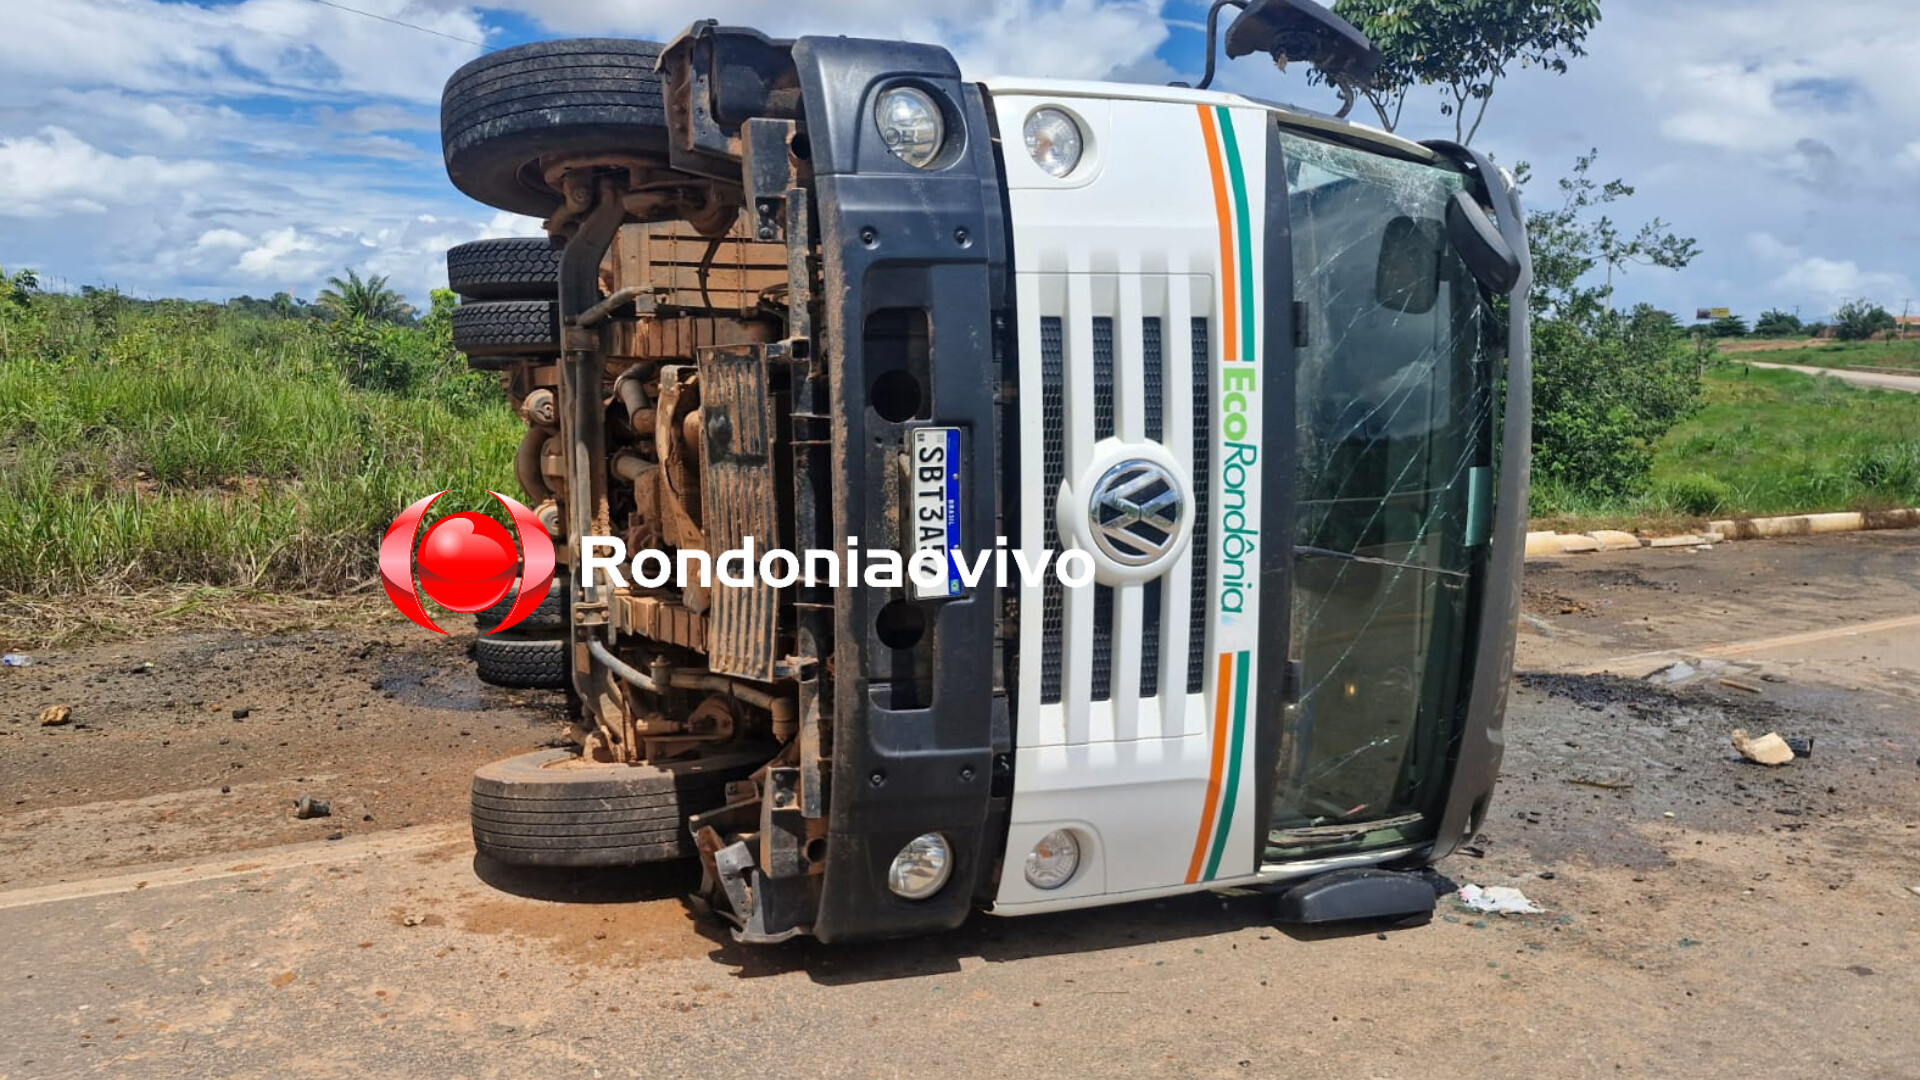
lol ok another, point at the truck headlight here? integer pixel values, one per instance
(1053, 860)
(921, 868)
(1055, 140)
(910, 124)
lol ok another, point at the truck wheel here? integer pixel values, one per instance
(527, 663)
(510, 268)
(501, 113)
(509, 328)
(550, 615)
(550, 808)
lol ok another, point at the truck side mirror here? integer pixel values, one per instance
(1303, 30)
(1409, 275)
(1486, 253)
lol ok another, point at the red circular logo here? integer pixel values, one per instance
(467, 562)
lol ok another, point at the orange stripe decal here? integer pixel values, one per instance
(1223, 207)
(1220, 727)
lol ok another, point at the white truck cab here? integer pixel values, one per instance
(1267, 369)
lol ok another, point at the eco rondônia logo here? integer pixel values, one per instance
(466, 562)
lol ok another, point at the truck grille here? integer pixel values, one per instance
(1129, 641)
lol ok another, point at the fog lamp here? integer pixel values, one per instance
(921, 868)
(1053, 860)
(910, 124)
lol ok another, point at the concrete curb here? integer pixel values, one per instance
(1816, 524)
(1541, 545)
(1548, 544)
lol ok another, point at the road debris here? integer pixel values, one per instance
(1497, 900)
(1679, 671)
(1768, 749)
(16, 659)
(1801, 747)
(306, 806)
(1736, 684)
(55, 715)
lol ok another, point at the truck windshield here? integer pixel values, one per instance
(1394, 474)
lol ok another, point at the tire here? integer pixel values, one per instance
(550, 615)
(547, 809)
(500, 113)
(513, 268)
(507, 328)
(524, 663)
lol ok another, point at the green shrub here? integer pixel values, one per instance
(1696, 495)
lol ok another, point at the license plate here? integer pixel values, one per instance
(934, 461)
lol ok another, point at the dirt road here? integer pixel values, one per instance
(1706, 917)
(1873, 380)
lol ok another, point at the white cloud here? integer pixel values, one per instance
(1063, 38)
(55, 172)
(291, 47)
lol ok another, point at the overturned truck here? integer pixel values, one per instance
(1264, 370)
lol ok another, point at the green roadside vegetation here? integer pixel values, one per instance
(235, 447)
(1763, 442)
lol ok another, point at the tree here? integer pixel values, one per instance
(1858, 320)
(17, 289)
(1569, 244)
(1607, 385)
(1465, 47)
(1776, 323)
(1728, 326)
(369, 299)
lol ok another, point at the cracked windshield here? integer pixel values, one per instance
(1393, 487)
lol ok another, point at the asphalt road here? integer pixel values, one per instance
(1705, 917)
(1872, 379)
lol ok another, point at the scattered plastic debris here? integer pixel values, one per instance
(1497, 900)
(55, 715)
(1768, 749)
(1800, 747)
(1679, 671)
(306, 806)
(16, 659)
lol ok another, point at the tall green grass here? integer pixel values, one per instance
(178, 443)
(1768, 442)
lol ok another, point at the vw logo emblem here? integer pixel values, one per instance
(1135, 512)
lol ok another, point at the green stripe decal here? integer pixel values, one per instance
(1242, 220)
(1241, 662)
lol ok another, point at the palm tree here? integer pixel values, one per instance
(368, 299)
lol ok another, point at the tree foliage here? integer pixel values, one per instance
(1464, 47)
(1858, 320)
(1607, 384)
(1728, 326)
(1774, 322)
(368, 299)
(17, 288)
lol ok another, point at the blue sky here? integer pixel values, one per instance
(209, 149)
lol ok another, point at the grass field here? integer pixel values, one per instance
(183, 444)
(1891, 355)
(1767, 442)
